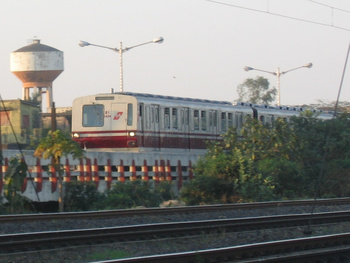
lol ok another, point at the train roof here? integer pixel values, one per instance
(153, 96)
(149, 96)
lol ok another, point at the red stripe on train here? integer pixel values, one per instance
(147, 141)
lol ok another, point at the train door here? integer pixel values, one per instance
(141, 120)
(154, 126)
(185, 121)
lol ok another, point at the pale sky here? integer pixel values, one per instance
(206, 46)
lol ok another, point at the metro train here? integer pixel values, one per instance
(136, 122)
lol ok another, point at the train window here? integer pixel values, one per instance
(262, 119)
(204, 120)
(187, 116)
(140, 109)
(156, 112)
(215, 118)
(167, 118)
(272, 120)
(130, 113)
(240, 120)
(174, 118)
(147, 117)
(93, 115)
(182, 117)
(223, 121)
(196, 120)
(229, 119)
(210, 119)
(152, 114)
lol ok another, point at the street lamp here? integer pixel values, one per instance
(278, 73)
(121, 50)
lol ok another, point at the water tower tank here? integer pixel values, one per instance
(37, 66)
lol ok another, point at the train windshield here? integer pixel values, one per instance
(93, 115)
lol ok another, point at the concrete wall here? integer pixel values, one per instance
(104, 169)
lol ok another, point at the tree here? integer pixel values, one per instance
(324, 153)
(227, 174)
(256, 91)
(35, 98)
(304, 157)
(14, 179)
(54, 146)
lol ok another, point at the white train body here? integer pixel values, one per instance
(144, 122)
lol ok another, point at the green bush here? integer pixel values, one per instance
(207, 190)
(164, 189)
(287, 177)
(82, 196)
(136, 193)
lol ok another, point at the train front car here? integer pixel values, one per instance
(145, 122)
(105, 121)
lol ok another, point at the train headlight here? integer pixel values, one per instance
(76, 135)
(132, 134)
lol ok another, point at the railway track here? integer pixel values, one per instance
(14, 243)
(330, 248)
(171, 210)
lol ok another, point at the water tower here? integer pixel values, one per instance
(37, 66)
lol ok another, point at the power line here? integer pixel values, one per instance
(19, 148)
(279, 15)
(327, 147)
(332, 8)
(329, 6)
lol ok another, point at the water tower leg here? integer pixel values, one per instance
(25, 93)
(49, 97)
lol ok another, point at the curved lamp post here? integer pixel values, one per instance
(121, 50)
(278, 73)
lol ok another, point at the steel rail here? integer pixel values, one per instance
(40, 240)
(170, 210)
(292, 250)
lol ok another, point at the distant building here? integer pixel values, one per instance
(20, 120)
(22, 123)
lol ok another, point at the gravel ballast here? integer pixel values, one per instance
(133, 249)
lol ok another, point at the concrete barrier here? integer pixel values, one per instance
(102, 168)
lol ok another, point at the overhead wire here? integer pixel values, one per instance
(320, 176)
(279, 15)
(308, 231)
(332, 8)
(329, 6)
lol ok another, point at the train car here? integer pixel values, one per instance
(137, 122)
(146, 122)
